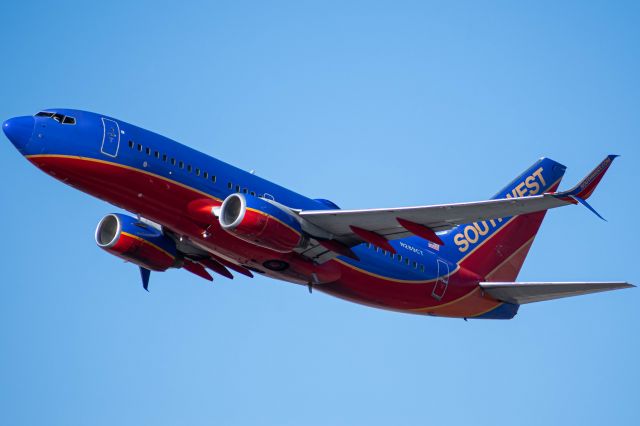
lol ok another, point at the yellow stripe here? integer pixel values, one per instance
(510, 257)
(337, 260)
(444, 305)
(274, 218)
(122, 166)
(501, 228)
(488, 310)
(75, 157)
(395, 280)
(135, 237)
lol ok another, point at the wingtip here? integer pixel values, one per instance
(586, 186)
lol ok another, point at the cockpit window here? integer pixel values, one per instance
(60, 118)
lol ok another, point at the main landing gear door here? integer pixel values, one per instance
(442, 282)
(111, 138)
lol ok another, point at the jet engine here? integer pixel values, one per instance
(260, 222)
(136, 242)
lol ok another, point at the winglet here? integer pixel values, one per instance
(586, 186)
(584, 189)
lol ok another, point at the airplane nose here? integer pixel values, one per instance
(19, 130)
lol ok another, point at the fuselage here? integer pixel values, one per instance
(156, 178)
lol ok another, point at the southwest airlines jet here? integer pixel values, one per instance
(194, 212)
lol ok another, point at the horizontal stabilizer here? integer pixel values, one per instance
(521, 293)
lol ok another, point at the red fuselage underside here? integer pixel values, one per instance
(164, 201)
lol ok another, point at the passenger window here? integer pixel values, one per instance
(164, 157)
(245, 190)
(229, 185)
(181, 165)
(130, 144)
(189, 168)
(197, 171)
(421, 268)
(399, 258)
(157, 154)
(407, 261)
(139, 147)
(415, 265)
(253, 193)
(237, 188)
(205, 175)
(148, 150)
(213, 178)
(173, 161)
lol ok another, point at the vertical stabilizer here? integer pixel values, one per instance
(496, 249)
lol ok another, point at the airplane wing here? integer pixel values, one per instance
(521, 293)
(352, 227)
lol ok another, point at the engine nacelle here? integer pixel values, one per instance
(259, 222)
(136, 242)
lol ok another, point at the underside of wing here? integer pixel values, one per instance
(529, 292)
(332, 232)
(437, 217)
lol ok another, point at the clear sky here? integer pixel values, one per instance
(369, 104)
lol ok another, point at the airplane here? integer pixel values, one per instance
(195, 212)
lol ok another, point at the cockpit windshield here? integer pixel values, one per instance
(60, 118)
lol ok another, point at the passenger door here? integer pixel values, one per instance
(110, 138)
(440, 286)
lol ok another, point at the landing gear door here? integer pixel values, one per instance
(111, 137)
(440, 286)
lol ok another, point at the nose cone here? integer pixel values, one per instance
(19, 130)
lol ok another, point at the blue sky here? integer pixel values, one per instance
(370, 104)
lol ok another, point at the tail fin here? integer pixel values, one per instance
(496, 249)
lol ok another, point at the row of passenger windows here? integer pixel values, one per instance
(182, 165)
(398, 257)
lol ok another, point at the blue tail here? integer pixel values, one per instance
(496, 249)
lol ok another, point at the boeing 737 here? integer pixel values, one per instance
(195, 212)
